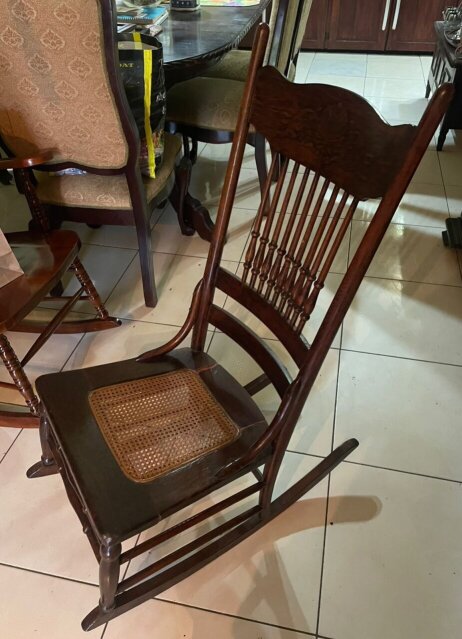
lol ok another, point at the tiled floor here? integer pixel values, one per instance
(374, 552)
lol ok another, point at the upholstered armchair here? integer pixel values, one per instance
(61, 89)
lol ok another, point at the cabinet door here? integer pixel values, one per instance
(411, 24)
(358, 24)
(315, 34)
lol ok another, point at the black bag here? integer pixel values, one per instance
(142, 70)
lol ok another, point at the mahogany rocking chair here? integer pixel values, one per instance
(152, 435)
(45, 257)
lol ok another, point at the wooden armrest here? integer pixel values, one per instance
(33, 159)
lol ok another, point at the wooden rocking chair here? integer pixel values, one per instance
(152, 435)
(45, 257)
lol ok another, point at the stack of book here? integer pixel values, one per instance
(127, 14)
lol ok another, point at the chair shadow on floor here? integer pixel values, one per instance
(273, 596)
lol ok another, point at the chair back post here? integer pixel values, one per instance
(229, 189)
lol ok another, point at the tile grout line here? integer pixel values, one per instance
(324, 542)
(376, 466)
(48, 574)
(230, 616)
(410, 359)
(14, 440)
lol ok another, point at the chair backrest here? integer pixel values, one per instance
(287, 25)
(341, 152)
(60, 86)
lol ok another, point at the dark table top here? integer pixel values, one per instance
(195, 40)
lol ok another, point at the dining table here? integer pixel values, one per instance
(192, 42)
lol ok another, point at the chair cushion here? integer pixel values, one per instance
(206, 103)
(233, 66)
(120, 507)
(105, 191)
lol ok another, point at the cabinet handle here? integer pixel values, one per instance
(385, 15)
(396, 15)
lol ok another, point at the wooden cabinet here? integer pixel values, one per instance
(315, 34)
(358, 25)
(373, 25)
(411, 24)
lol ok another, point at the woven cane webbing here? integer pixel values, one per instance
(156, 424)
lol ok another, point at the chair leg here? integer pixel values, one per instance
(109, 569)
(47, 464)
(179, 192)
(89, 288)
(147, 268)
(18, 375)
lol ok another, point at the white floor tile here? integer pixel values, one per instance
(413, 253)
(352, 83)
(399, 111)
(166, 237)
(428, 171)
(412, 88)
(400, 573)
(454, 199)
(403, 413)
(173, 621)
(339, 64)
(422, 205)
(273, 576)
(420, 321)
(105, 266)
(176, 278)
(451, 165)
(34, 605)
(7, 437)
(115, 236)
(207, 182)
(38, 527)
(426, 61)
(394, 66)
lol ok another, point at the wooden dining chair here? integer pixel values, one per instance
(61, 89)
(205, 109)
(150, 436)
(287, 25)
(45, 257)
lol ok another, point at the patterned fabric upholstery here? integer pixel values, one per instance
(102, 191)
(54, 87)
(208, 103)
(235, 64)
